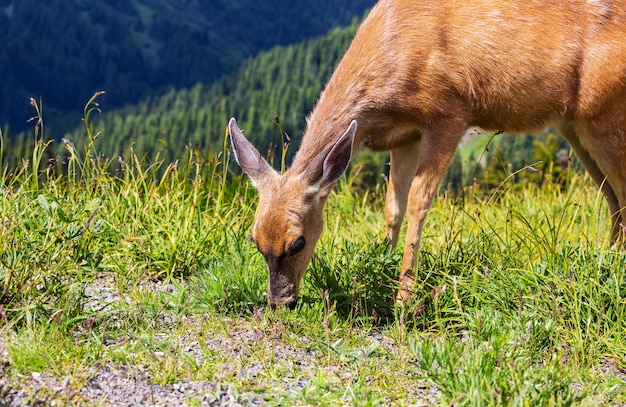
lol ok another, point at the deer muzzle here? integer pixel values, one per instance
(282, 291)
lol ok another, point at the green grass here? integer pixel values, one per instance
(521, 299)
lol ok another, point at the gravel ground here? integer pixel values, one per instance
(111, 385)
(118, 387)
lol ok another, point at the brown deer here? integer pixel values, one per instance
(417, 74)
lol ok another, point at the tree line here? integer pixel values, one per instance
(65, 50)
(284, 82)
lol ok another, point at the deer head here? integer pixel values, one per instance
(288, 221)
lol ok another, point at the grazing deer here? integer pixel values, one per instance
(417, 74)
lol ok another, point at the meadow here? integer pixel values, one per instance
(111, 266)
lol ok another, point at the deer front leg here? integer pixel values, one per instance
(438, 146)
(403, 166)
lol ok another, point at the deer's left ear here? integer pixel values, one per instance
(331, 164)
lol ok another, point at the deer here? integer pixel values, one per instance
(417, 75)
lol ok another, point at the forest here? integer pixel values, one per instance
(63, 51)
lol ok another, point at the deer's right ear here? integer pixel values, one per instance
(329, 165)
(248, 157)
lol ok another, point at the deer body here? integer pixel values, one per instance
(417, 74)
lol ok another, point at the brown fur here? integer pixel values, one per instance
(419, 72)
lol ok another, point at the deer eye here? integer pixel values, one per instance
(297, 246)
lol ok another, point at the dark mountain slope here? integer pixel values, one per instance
(64, 50)
(285, 81)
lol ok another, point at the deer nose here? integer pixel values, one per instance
(281, 291)
(292, 304)
(289, 303)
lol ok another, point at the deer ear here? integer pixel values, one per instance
(331, 164)
(248, 157)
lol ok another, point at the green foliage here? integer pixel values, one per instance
(519, 297)
(60, 221)
(489, 159)
(368, 170)
(498, 364)
(358, 280)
